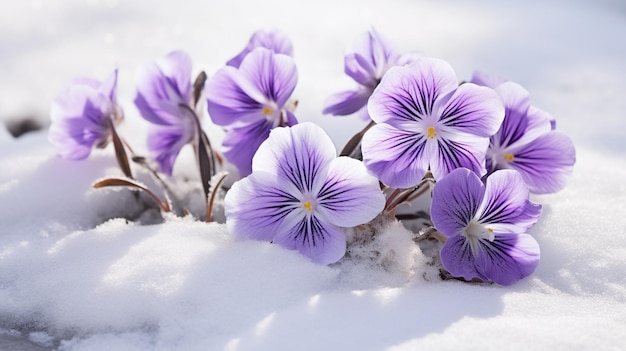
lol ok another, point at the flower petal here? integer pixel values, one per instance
(458, 259)
(350, 196)
(79, 121)
(323, 243)
(82, 101)
(518, 126)
(232, 99)
(299, 155)
(360, 69)
(473, 109)
(539, 122)
(165, 143)
(508, 258)
(291, 119)
(257, 206)
(459, 150)
(409, 93)
(395, 156)
(505, 206)
(456, 199)
(109, 87)
(378, 50)
(240, 144)
(176, 66)
(75, 137)
(346, 102)
(272, 39)
(505, 260)
(162, 86)
(275, 75)
(546, 162)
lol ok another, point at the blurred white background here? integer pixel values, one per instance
(574, 64)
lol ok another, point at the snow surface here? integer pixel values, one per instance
(75, 275)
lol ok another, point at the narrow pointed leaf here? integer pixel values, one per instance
(108, 182)
(214, 187)
(120, 153)
(206, 161)
(198, 85)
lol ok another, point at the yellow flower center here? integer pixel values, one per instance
(509, 157)
(307, 205)
(268, 111)
(431, 133)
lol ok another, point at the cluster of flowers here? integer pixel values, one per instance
(480, 147)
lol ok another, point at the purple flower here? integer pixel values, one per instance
(527, 143)
(164, 98)
(426, 121)
(299, 194)
(492, 81)
(250, 101)
(83, 116)
(272, 39)
(484, 225)
(372, 57)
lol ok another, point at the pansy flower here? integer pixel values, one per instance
(485, 226)
(300, 194)
(83, 116)
(426, 121)
(250, 101)
(492, 81)
(527, 143)
(164, 98)
(372, 57)
(272, 39)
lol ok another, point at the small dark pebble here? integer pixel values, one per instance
(20, 126)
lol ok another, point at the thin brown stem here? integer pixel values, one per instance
(431, 232)
(405, 195)
(140, 160)
(392, 196)
(163, 205)
(215, 185)
(204, 153)
(355, 141)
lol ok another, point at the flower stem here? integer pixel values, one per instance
(216, 183)
(392, 196)
(354, 143)
(406, 195)
(204, 153)
(431, 232)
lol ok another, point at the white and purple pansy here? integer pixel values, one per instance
(485, 226)
(83, 116)
(164, 98)
(300, 195)
(250, 101)
(426, 121)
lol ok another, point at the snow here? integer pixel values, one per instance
(75, 275)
